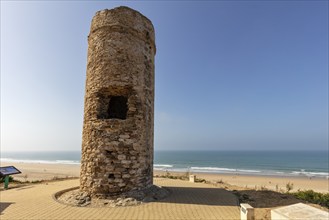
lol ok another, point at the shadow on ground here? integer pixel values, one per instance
(24, 187)
(14, 186)
(4, 205)
(200, 196)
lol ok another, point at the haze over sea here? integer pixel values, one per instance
(276, 163)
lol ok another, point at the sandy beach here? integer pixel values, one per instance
(40, 171)
(268, 182)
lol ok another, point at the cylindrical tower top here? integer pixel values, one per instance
(125, 19)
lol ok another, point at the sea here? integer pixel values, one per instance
(272, 163)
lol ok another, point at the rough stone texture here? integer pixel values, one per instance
(131, 198)
(117, 143)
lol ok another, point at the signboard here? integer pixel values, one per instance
(10, 170)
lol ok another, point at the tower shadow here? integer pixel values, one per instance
(200, 196)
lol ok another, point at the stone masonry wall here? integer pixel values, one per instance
(117, 142)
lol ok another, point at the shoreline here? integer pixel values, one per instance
(262, 173)
(41, 171)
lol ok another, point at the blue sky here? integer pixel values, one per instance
(230, 75)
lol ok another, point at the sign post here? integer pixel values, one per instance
(6, 182)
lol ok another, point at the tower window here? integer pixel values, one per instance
(117, 107)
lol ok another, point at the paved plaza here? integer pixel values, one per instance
(186, 201)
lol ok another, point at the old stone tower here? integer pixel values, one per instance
(117, 144)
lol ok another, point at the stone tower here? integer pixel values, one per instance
(117, 142)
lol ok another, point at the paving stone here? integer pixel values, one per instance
(187, 201)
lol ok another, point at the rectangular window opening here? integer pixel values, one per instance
(117, 107)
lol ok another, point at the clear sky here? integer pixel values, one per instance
(230, 75)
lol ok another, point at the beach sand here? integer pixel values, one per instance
(41, 171)
(268, 182)
(38, 171)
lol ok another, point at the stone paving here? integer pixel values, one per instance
(187, 201)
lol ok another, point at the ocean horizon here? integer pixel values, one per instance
(272, 163)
